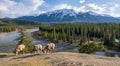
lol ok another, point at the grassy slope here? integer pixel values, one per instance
(61, 58)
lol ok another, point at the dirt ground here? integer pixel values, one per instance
(60, 59)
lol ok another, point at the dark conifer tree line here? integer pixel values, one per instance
(9, 25)
(104, 32)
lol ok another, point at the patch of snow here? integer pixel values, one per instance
(63, 12)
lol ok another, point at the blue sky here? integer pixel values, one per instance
(17, 8)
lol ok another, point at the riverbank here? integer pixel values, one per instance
(59, 59)
(60, 46)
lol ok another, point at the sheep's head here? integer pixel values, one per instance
(43, 50)
(17, 51)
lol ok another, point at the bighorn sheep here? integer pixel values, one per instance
(50, 47)
(37, 48)
(19, 49)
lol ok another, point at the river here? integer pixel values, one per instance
(8, 41)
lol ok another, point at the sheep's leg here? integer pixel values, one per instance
(31, 52)
(46, 51)
(16, 53)
(49, 51)
(38, 51)
(52, 50)
(19, 53)
(22, 52)
(35, 52)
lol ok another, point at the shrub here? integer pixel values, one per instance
(91, 47)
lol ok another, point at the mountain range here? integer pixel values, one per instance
(69, 15)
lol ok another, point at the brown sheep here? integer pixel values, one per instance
(37, 48)
(50, 47)
(19, 49)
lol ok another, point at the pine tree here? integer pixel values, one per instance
(64, 35)
(27, 40)
(54, 35)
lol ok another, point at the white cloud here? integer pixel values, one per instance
(82, 1)
(10, 8)
(92, 7)
(107, 8)
(62, 6)
(113, 10)
(89, 7)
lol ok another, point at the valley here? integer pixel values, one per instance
(65, 54)
(59, 33)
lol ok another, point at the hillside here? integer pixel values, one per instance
(59, 59)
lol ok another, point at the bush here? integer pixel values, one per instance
(91, 47)
(27, 40)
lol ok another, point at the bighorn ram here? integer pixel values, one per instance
(50, 47)
(19, 49)
(37, 48)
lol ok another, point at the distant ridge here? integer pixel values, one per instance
(69, 15)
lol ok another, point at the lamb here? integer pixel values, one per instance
(50, 47)
(37, 48)
(19, 49)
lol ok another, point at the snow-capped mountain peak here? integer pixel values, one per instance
(63, 12)
(69, 15)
